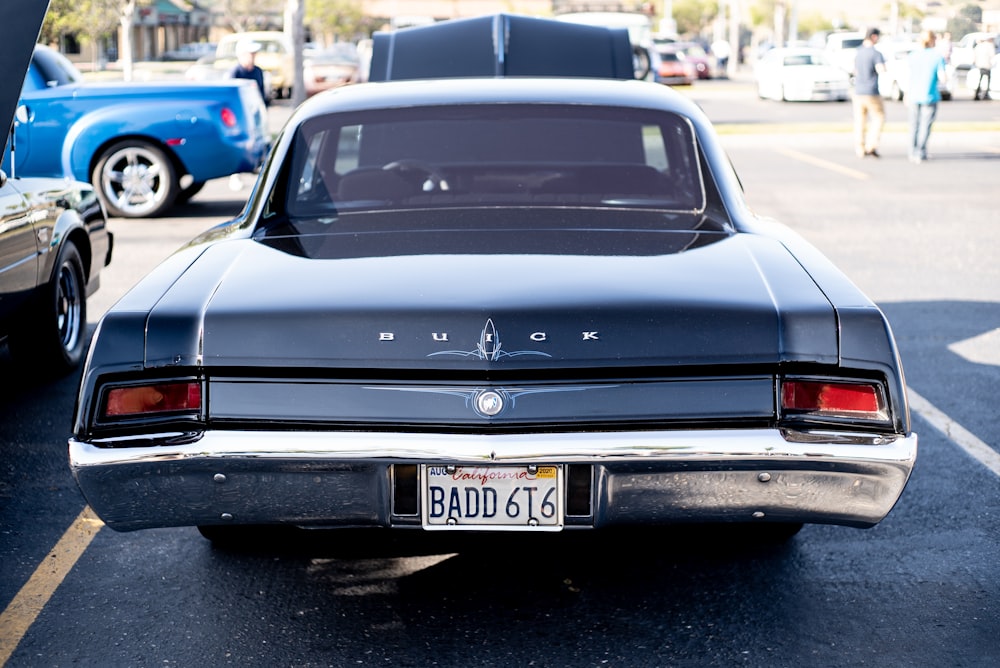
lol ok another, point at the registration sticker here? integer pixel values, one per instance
(512, 498)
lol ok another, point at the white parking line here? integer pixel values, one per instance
(955, 432)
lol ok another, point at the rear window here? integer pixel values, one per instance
(491, 155)
(50, 69)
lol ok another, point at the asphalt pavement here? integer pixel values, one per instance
(920, 589)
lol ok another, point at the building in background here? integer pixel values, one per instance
(165, 25)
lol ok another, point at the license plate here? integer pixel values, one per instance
(511, 498)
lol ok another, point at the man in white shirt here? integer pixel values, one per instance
(982, 59)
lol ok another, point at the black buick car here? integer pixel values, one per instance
(513, 301)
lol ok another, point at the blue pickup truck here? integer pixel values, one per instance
(143, 145)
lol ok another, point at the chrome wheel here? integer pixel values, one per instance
(135, 179)
(69, 305)
(51, 333)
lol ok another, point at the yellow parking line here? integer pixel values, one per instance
(35, 594)
(825, 164)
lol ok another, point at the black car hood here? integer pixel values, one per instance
(741, 300)
(20, 23)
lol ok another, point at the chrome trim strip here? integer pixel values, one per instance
(343, 478)
(562, 446)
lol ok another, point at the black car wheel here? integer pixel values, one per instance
(51, 336)
(135, 179)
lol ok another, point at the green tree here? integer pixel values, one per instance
(972, 12)
(813, 23)
(761, 13)
(910, 16)
(89, 21)
(966, 20)
(246, 15)
(61, 19)
(694, 16)
(337, 20)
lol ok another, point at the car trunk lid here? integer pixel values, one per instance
(741, 300)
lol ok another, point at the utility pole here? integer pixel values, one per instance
(779, 24)
(294, 20)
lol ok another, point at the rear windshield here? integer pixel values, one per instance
(50, 69)
(493, 155)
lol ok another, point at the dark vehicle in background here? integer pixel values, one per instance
(143, 145)
(532, 300)
(54, 242)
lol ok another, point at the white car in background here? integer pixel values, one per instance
(842, 49)
(801, 74)
(963, 51)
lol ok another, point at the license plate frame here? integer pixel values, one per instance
(493, 497)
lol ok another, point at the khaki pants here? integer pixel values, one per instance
(866, 136)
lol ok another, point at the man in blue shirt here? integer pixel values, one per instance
(927, 74)
(868, 64)
(247, 68)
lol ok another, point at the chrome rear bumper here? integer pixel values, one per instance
(346, 478)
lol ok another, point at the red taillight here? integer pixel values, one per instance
(228, 117)
(832, 398)
(153, 398)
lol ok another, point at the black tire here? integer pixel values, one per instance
(53, 333)
(776, 532)
(250, 537)
(135, 179)
(231, 537)
(189, 192)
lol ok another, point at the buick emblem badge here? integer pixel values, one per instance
(489, 403)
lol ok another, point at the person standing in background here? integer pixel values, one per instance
(927, 75)
(982, 59)
(720, 49)
(247, 68)
(868, 64)
(944, 46)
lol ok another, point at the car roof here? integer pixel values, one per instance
(976, 36)
(500, 90)
(798, 49)
(795, 50)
